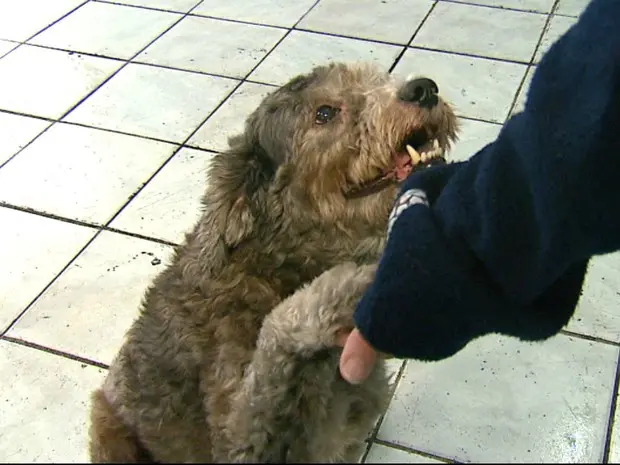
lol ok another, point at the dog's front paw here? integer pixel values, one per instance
(312, 318)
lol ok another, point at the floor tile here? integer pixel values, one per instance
(48, 83)
(571, 7)
(301, 51)
(234, 48)
(503, 400)
(21, 19)
(392, 367)
(6, 47)
(522, 97)
(597, 311)
(474, 135)
(170, 204)
(16, 131)
(393, 21)
(272, 12)
(154, 102)
(45, 404)
(477, 87)
(33, 259)
(556, 28)
(105, 29)
(541, 6)
(229, 119)
(80, 173)
(182, 6)
(614, 451)
(477, 30)
(383, 454)
(87, 311)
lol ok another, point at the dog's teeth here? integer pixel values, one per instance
(415, 156)
(436, 151)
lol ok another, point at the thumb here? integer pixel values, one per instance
(357, 359)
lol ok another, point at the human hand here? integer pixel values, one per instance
(358, 357)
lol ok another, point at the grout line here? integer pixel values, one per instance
(347, 36)
(19, 113)
(202, 149)
(251, 81)
(211, 113)
(85, 224)
(375, 430)
(612, 415)
(2, 165)
(402, 52)
(195, 15)
(116, 131)
(587, 337)
(12, 42)
(305, 14)
(50, 216)
(515, 99)
(126, 63)
(496, 7)
(480, 120)
(295, 28)
(414, 451)
(468, 55)
(48, 285)
(55, 22)
(144, 7)
(77, 52)
(49, 350)
(532, 59)
(94, 90)
(107, 225)
(241, 21)
(193, 71)
(140, 236)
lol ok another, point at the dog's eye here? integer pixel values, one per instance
(325, 113)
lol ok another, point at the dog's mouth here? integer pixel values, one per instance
(418, 150)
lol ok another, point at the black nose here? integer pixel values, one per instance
(422, 91)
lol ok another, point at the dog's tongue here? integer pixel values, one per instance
(402, 166)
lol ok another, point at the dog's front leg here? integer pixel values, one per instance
(293, 405)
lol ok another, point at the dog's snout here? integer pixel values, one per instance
(422, 91)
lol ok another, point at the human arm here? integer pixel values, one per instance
(504, 247)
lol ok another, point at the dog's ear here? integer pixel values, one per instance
(239, 181)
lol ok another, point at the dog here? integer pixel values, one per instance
(233, 355)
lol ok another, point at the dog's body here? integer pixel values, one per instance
(233, 356)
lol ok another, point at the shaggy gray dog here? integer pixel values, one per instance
(233, 355)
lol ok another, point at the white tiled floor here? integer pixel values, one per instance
(91, 206)
(393, 21)
(125, 102)
(556, 28)
(108, 30)
(80, 173)
(6, 46)
(43, 82)
(233, 48)
(493, 26)
(303, 50)
(213, 135)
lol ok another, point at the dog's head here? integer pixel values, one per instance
(326, 152)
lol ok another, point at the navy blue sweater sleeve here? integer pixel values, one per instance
(504, 245)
